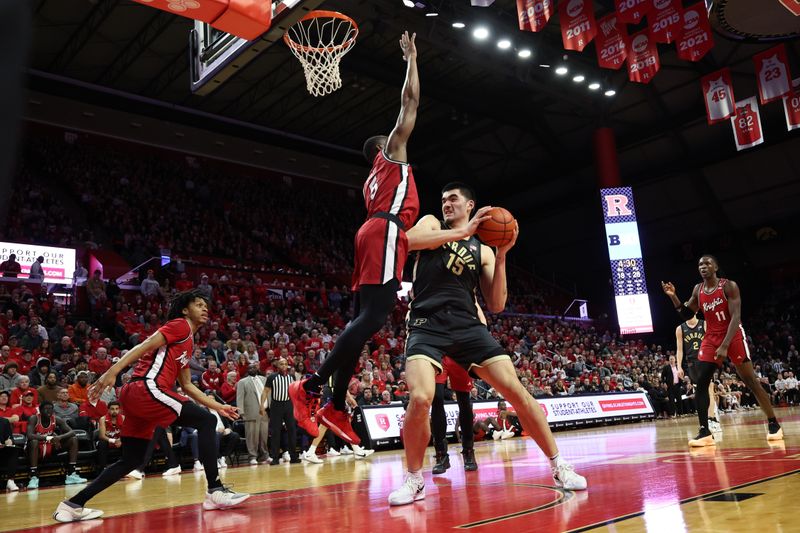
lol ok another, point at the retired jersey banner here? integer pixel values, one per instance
(791, 106)
(664, 20)
(534, 14)
(694, 34)
(643, 62)
(747, 124)
(610, 43)
(772, 74)
(632, 11)
(578, 26)
(718, 96)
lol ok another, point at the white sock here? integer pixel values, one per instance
(417, 476)
(312, 450)
(357, 448)
(556, 461)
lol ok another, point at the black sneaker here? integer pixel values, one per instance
(703, 438)
(275, 462)
(775, 432)
(442, 463)
(470, 465)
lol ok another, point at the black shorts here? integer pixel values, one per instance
(454, 333)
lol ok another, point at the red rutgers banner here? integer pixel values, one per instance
(747, 124)
(664, 20)
(578, 26)
(643, 62)
(772, 74)
(610, 44)
(534, 14)
(791, 106)
(632, 11)
(694, 35)
(718, 96)
(793, 6)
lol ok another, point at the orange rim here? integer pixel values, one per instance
(323, 14)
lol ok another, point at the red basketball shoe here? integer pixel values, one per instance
(302, 404)
(338, 422)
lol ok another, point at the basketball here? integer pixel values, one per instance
(499, 229)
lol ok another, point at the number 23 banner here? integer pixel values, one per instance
(747, 124)
(578, 26)
(718, 96)
(772, 73)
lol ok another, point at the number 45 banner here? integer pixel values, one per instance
(718, 96)
(747, 124)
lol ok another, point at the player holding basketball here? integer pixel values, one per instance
(390, 194)
(688, 338)
(148, 400)
(722, 307)
(461, 383)
(448, 269)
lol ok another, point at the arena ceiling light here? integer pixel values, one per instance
(459, 25)
(579, 78)
(610, 92)
(408, 3)
(594, 86)
(524, 53)
(480, 33)
(543, 65)
(503, 44)
(562, 71)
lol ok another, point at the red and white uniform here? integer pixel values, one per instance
(114, 425)
(718, 317)
(148, 400)
(381, 245)
(459, 378)
(45, 448)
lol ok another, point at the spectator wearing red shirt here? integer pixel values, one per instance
(211, 378)
(94, 411)
(100, 363)
(108, 344)
(26, 362)
(228, 389)
(265, 365)
(23, 388)
(241, 365)
(401, 391)
(8, 411)
(184, 283)
(15, 351)
(25, 411)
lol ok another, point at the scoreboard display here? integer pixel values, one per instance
(627, 266)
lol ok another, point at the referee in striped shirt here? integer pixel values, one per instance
(276, 396)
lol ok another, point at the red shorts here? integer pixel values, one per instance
(459, 378)
(45, 450)
(147, 407)
(738, 352)
(381, 251)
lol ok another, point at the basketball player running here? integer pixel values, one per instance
(688, 338)
(390, 194)
(149, 401)
(461, 384)
(722, 307)
(448, 269)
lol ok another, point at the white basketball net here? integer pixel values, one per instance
(319, 43)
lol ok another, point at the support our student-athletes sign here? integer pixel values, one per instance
(772, 74)
(643, 61)
(610, 44)
(664, 20)
(578, 26)
(718, 96)
(747, 130)
(694, 34)
(632, 11)
(534, 14)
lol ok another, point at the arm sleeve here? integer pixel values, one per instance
(176, 330)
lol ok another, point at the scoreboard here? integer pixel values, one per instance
(627, 266)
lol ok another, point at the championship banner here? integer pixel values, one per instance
(632, 11)
(58, 266)
(610, 44)
(694, 35)
(747, 124)
(665, 20)
(578, 26)
(534, 14)
(643, 62)
(792, 5)
(791, 106)
(772, 74)
(718, 96)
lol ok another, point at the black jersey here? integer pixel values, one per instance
(692, 339)
(446, 277)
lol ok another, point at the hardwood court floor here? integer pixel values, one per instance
(642, 477)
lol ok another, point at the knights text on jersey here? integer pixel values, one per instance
(390, 188)
(715, 309)
(163, 365)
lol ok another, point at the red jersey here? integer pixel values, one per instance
(94, 412)
(164, 364)
(45, 448)
(114, 425)
(390, 188)
(715, 309)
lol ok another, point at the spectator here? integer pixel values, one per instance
(9, 455)
(48, 435)
(96, 289)
(9, 378)
(26, 362)
(228, 389)
(79, 391)
(216, 351)
(23, 388)
(63, 408)
(150, 287)
(212, 378)
(94, 411)
(39, 374)
(249, 392)
(196, 364)
(100, 364)
(25, 410)
(37, 272)
(188, 439)
(227, 439)
(109, 433)
(8, 411)
(10, 268)
(205, 288)
(49, 391)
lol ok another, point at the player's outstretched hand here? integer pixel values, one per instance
(479, 217)
(512, 242)
(104, 382)
(228, 411)
(722, 352)
(408, 46)
(668, 287)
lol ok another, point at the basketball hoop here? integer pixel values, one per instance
(319, 40)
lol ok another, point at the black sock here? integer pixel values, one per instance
(772, 420)
(71, 467)
(34, 471)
